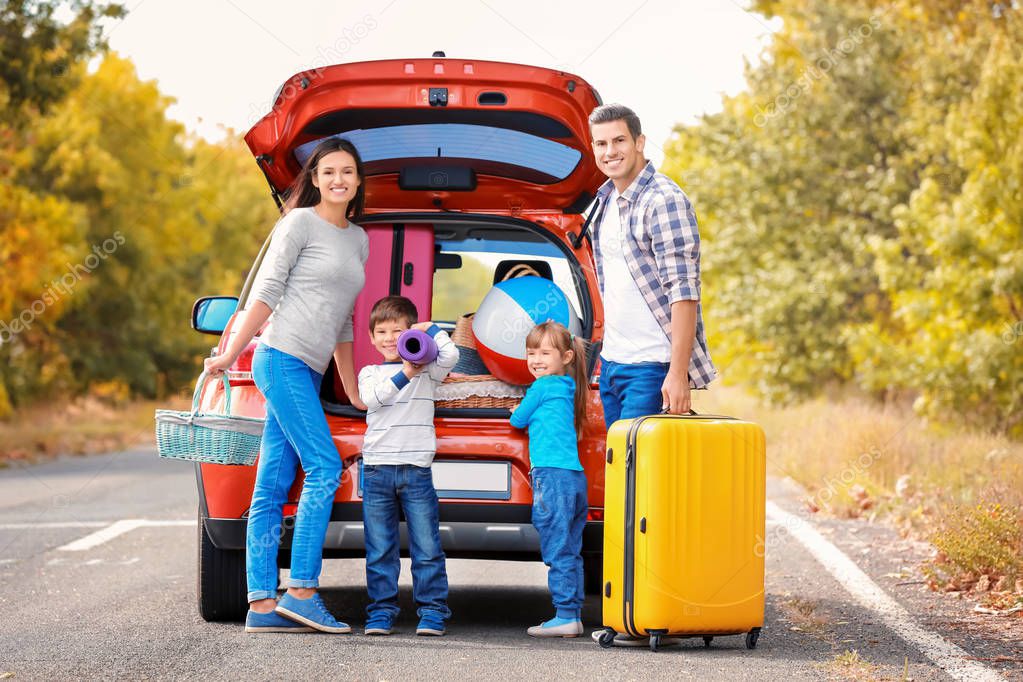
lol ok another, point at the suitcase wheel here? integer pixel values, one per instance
(751, 638)
(655, 638)
(606, 639)
(707, 641)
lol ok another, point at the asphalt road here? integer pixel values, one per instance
(125, 607)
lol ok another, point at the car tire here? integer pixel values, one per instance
(220, 587)
(593, 573)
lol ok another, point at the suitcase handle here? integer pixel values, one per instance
(694, 413)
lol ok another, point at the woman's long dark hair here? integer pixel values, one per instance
(303, 193)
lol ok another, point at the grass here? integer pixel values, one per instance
(849, 665)
(802, 616)
(87, 425)
(960, 490)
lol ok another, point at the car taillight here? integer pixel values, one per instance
(595, 514)
(244, 361)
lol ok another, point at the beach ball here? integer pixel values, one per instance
(507, 314)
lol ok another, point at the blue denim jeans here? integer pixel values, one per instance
(559, 515)
(631, 390)
(295, 434)
(386, 488)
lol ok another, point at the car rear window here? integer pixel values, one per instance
(509, 149)
(459, 291)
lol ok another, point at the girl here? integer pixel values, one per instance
(554, 409)
(306, 286)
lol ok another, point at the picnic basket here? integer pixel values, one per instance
(209, 438)
(478, 391)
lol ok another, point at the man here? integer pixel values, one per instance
(648, 266)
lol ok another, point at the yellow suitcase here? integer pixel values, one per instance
(684, 507)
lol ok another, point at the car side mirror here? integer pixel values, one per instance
(210, 314)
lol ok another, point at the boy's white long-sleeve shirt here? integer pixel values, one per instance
(399, 414)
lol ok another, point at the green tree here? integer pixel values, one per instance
(38, 52)
(175, 217)
(861, 206)
(954, 270)
(790, 180)
(40, 62)
(133, 219)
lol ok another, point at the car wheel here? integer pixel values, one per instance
(593, 573)
(221, 587)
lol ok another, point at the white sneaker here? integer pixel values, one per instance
(573, 629)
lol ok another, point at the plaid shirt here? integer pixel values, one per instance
(663, 254)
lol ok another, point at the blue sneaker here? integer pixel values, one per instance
(312, 612)
(430, 624)
(272, 622)
(378, 624)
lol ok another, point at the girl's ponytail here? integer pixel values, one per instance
(582, 383)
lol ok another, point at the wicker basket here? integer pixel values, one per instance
(209, 438)
(462, 335)
(478, 401)
(520, 270)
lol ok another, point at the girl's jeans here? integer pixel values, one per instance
(296, 434)
(559, 515)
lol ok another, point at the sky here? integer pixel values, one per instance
(222, 60)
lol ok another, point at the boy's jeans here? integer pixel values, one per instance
(631, 390)
(559, 515)
(385, 489)
(295, 434)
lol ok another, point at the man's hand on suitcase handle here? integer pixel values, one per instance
(675, 394)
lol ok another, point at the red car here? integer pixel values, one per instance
(471, 168)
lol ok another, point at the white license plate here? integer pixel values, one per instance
(468, 479)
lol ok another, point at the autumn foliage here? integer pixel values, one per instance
(113, 219)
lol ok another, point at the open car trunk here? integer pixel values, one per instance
(449, 134)
(445, 264)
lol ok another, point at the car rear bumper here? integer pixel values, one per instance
(504, 534)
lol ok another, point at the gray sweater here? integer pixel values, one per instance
(309, 277)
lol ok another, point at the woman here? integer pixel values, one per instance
(309, 278)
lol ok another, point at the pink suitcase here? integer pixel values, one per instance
(400, 262)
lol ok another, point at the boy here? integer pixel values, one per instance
(396, 455)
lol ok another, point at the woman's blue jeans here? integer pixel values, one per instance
(631, 390)
(295, 434)
(386, 489)
(559, 515)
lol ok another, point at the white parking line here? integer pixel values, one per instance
(116, 529)
(948, 656)
(57, 524)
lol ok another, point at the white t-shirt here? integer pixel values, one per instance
(399, 418)
(631, 332)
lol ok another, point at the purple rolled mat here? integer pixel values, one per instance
(417, 347)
